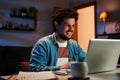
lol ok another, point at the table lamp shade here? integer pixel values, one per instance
(103, 16)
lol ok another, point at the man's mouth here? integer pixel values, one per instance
(69, 33)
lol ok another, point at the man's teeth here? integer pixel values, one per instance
(69, 32)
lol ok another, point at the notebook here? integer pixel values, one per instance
(102, 55)
(46, 75)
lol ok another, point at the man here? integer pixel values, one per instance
(56, 51)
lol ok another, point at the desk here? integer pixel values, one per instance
(112, 75)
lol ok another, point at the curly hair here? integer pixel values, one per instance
(62, 14)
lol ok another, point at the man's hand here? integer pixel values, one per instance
(65, 66)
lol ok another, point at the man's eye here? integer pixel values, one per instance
(66, 25)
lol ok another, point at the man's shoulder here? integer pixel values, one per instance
(45, 37)
(72, 41)
(48, 38)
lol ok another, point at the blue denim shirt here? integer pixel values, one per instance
(45, 54)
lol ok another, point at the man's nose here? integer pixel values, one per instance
(71, 27)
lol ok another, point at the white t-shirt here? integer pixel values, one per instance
(62, 60)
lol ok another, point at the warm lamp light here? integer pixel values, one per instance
(103, 17)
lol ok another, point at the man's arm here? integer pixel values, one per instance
(82, 54)
(39, 59)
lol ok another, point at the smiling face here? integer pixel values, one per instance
(65, 30)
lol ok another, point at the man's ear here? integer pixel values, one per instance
(55, 23)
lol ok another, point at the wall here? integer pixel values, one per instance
(44, 27)
(86, 26)
(75, 3)
(113, 9)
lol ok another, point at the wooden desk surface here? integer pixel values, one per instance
(112, 75)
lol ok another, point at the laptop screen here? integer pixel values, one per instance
(102, 55)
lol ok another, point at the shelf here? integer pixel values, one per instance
(5, 29)
(22, 19)
(108, 34)
(25, 17)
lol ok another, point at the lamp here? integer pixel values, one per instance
(103, 17)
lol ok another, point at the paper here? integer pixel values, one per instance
(62, 72)
(46, 75)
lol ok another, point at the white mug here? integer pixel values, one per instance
(79, 69)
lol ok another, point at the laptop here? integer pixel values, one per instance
(102, 55)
